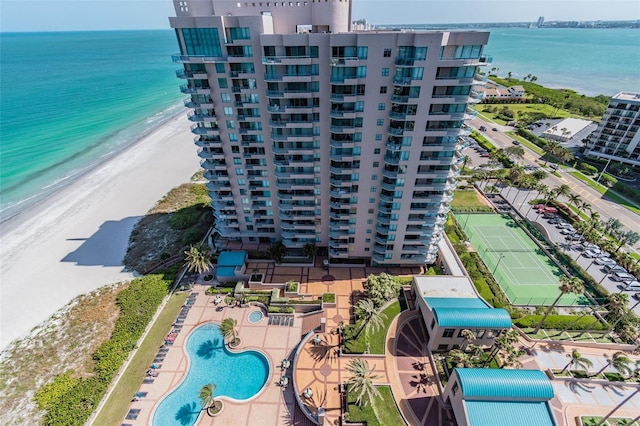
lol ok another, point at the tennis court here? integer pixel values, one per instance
(523, 270)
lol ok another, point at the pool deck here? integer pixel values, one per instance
(405, 365)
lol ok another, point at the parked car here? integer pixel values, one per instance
(605, 261)
(622, 276)
(495, 129)
(568, 231)
(610, 269)
(589, 245)
(483, 129)
(563, 225)
(485, 155)
(591, 252)
(515, 142)
(574, 237)
(631, 286)
(577, 247)
(554, 166)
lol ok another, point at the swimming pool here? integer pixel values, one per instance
(255, 317)
(239, 376)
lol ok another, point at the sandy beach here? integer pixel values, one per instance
(75, 241)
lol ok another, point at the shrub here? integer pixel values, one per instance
(560, 322)
(191, 236)
(281, 310)
(186, 217)
(381, 288)
(586, 168)
(608, 180)
(304, 302)
(329, 298)
(292, 286)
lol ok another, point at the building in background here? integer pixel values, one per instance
(311, 133)
(617, 137)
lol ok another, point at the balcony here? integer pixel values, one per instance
(185, 74)
(404, 62)
(198, 130)
(192, 116)
(402, 99)
(198, 59)
(402, 81)
(397, 131)
(286, 60)
(480, 61)
(195, 90)
(190, 103)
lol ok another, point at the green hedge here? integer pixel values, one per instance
(329, 297)
(587, 168)
(560, 322)
(214, 290)
(304, 302)
(70, 400)
(281, 310)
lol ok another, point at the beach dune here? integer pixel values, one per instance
(74, 242)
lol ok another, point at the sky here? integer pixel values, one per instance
(81, 15)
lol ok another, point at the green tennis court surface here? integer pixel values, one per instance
(523, 270)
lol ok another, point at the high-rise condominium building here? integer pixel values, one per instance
(618, 137)
(314, 134)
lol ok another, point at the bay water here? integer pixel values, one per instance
(69, 101)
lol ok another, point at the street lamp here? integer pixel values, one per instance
(498, 264)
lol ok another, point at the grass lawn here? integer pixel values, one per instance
(533, 147)
(116, 407)
(377, 340)
(383, 411)
(466, 199)
(628, 204)
(548, 110)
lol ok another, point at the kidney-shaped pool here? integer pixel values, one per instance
(239, 376)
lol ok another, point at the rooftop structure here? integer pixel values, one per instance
(311, 133)
(617, 137)
(479, 396)
(450, 305)
(566, 129)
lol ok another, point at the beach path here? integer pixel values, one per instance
(74, 242)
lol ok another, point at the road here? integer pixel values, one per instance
(604, 207)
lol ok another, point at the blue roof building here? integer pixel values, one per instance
(450, 305)
(231, 265)
(486, 397)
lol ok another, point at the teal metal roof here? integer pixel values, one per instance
(481, 383)
(455, 302)
(490, 413)
(226, 271)
(472, 317)
(232, 258)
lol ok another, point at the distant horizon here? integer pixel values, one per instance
(115, 15)
(375, 25)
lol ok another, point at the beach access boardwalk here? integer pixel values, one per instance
(405, 366)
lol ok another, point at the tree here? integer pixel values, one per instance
(198, 259)
(514, 152)
(228, 330)
(381, 288)
(573, 198)
(539, 174)
(460, 358)
(619, 361)
(362, 381)
(503, 343)
(467, 161)
(578, 361)
(276, 251)
(468, 336)
(563, 190)
(612, 226)
(310, 250)
(372, 319)
(583, 206)
(207, 400)
(567, 285)
(629, 237)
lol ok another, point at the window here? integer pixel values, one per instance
(370, 211)
(378, 137)
(376, 164)
(376, 150)
(381, 106)
(219, 67)
(231, 124)
(369, 231)
(201, 41)
(223, 83)
(373, 189)
(387, 53)
(383, 89)
(237, 161)
(233, 137)
(380, 122)
(443, 347)
(369, 221)
(454, 388)
(372, 200)
(240, 33)
(385, 72)
(228, 111)
(225, 97)
(448, 332)
(240, 172)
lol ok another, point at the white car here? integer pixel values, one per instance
(589, 245)
(567, 231)
(605, 261)
(591, 253)
(622, 276)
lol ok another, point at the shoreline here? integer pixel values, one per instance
(73, 241)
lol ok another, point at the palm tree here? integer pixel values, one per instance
(612, 225)
(362, 380)
(503, 343)
(514, 152)
(578, 361)
(594, 220)
(563, 190)
(573, 198)
(629, 237)
(467, 161)
(276, 251)
(310, 250)
(567, 285)
(460, 358)
(372, 319)
(469, 336)
(198, 259)
(619, 361)
(207, 400)
(583, 206)
(228, 330)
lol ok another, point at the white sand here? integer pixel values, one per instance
(75, 241)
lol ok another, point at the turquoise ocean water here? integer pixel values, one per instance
(71, 100)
